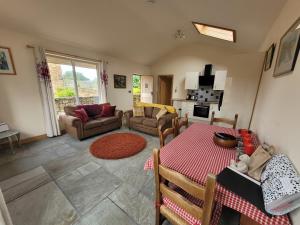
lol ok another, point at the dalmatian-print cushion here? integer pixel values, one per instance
(280, 181)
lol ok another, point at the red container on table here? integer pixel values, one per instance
(247, 140)
(243, 132)
(249, 149)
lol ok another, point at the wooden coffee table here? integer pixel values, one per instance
(10, 134)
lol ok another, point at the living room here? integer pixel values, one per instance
(150, 39)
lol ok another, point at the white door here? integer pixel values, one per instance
(147, 89)
(220, 80)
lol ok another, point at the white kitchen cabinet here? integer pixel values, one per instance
(220, 80)
(214, 107)
(191, 80)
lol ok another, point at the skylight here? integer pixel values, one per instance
(216, 32)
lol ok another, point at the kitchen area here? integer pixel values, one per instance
(205, 91)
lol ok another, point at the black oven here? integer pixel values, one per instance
(201, 111)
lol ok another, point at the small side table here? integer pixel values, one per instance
(10, 134)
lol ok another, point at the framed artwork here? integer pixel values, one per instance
(7, 66)
(119, 81)
(288, 50)
(269, 57)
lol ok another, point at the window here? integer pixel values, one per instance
(216, 32)
(74, 81)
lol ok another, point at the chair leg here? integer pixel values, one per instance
(158, 219)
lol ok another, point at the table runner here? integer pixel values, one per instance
(194, 154)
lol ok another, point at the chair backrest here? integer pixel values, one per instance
(207, 194)
(164, 134)
(224, 120)
(180, 122)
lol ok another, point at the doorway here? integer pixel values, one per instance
(142, 88)
(165, 87)
(147, 89)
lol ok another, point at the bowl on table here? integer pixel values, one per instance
(225, 140)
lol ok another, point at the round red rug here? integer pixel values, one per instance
(117, 146)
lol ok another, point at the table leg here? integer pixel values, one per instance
(11, 145)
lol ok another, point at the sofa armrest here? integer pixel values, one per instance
(166, 120)
(128, 114)
(71, 121)
(119, 114)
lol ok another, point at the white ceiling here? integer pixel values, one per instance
(136, 29)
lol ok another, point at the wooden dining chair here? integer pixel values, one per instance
(164, 134)
(206, 194)
(224, 120)
(180, 122)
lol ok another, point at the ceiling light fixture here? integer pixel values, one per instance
(179, 35)
(216, 32)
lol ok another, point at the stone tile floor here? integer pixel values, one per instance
(84, 190)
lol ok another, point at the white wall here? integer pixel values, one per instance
(276, 117)
(241, 85)
(20, 103)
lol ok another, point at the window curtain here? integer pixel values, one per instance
(51, 122)
(103, 81)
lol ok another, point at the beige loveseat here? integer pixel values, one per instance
(149, 124)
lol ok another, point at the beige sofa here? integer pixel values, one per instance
(149, 124)
(97, 125)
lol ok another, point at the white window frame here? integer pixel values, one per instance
(73, 60)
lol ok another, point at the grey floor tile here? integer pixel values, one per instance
(149, 189)
(85, 181)
(106, 213)
(46, 205)
(135, 204)
(23, 164)
(63, 165)
(85, 192)
(133, 173)
(21, 184)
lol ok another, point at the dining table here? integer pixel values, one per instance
(194, 154)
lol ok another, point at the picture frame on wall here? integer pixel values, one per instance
(7, 66)
(269, 57)
(119, 81)
(288, 50)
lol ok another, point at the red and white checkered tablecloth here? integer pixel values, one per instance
(194, 154)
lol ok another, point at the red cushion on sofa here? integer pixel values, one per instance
(108, 110)
(103, 104)
(82, 115)
(92, 110)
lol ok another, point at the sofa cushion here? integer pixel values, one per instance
(108, 111)
(136, 120)
(108, 120)
(82, 115)
(161, 113)
(155, 111)
(150, 122)
(148, 111)
(138, 111)
(91, 110)
(92, 124)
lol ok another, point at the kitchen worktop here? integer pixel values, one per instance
(190, 100)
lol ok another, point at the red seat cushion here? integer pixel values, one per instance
(82, 115)
(91, 110)
(108, 110)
